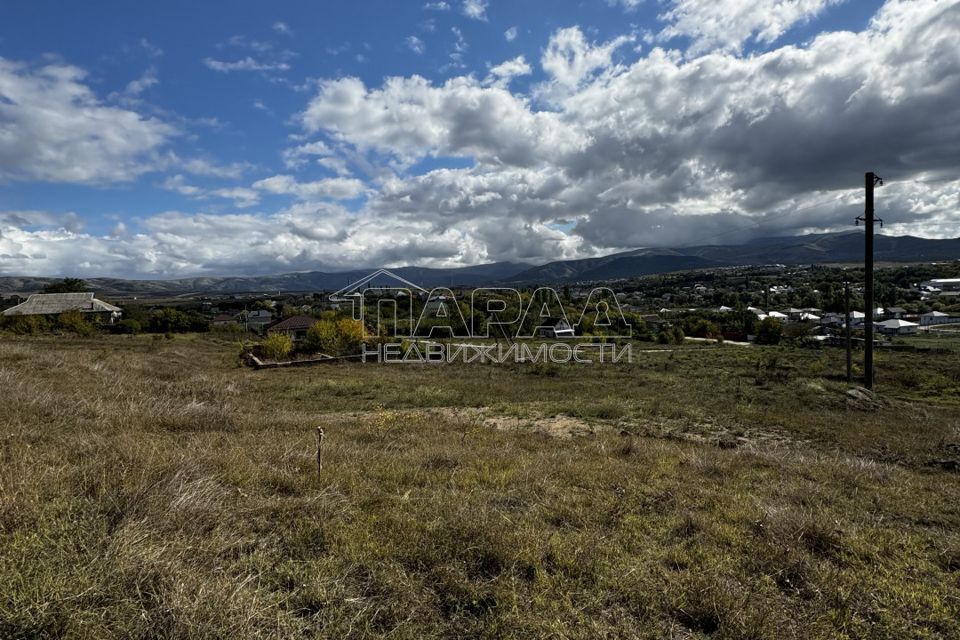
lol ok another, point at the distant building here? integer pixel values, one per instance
(653, 321)
(896, 313)
(936, 317)
(259, 318)
(942, 284)
(556, 328)
(897, 327)
(295, 327)
(53, 304)
(439, 306)
(223, 320)
(840, 319)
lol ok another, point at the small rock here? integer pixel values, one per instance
(863, 399)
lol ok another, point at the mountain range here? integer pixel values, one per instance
(844, 247)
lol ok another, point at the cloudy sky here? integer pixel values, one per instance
(197, 138)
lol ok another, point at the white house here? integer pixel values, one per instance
(936, 317)
(897, 327)
(556, 328)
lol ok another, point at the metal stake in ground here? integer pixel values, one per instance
(319, 450)
(870, 181)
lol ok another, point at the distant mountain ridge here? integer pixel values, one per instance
(808, 249)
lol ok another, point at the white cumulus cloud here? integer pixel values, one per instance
(727, 24)
(335, 188)
(53, 128)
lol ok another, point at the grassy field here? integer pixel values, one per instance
(156, 488)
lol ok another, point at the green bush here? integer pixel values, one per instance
(74, 322)
(335, 337)
(29, 325)
(128, 326)
(277, 346)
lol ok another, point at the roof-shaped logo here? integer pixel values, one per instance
(352, 289)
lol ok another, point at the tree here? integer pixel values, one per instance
(702, 328)
(264, 305)
(67, 285)
(676, 335)
(277, 346)
(170, 320)
(770, 331)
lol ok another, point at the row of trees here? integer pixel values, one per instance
(69, 322)
(161, 321)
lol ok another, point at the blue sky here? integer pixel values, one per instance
(160, 140)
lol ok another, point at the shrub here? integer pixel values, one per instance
(335, 337)
(277, 346)
(74, 322)
(128, 326)
(29, 325)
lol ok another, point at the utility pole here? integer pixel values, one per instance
(870, 181)
(846, 309)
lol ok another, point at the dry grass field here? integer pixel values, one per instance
(156, 488)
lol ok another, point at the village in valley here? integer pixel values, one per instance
(806, 306)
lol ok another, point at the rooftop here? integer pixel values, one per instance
(45, 304)
(294, 323)
(897, 324)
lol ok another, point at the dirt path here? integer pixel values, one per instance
(564, 426)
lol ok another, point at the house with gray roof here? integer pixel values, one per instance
(295, 327)
(897, 327)
(53, 304)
